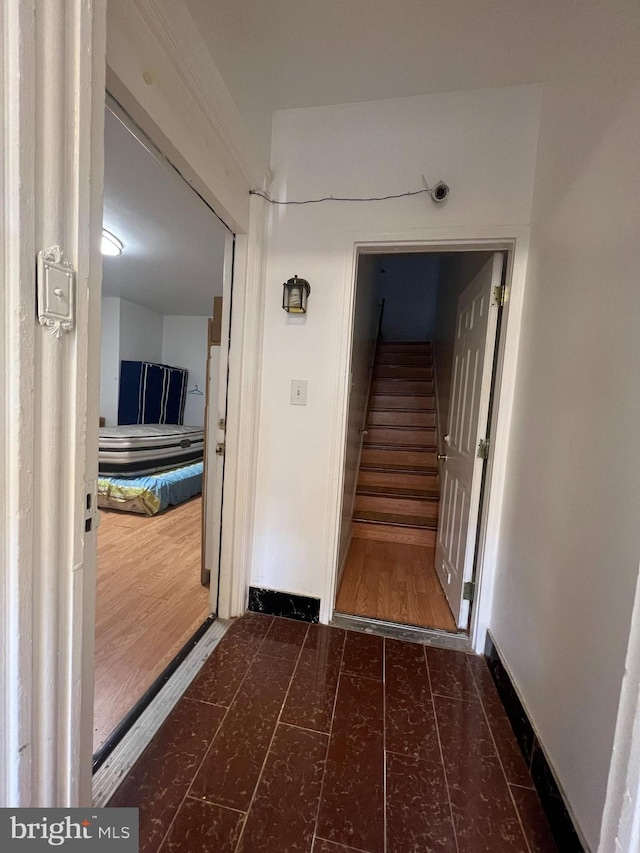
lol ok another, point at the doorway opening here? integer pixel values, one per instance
(164, 348)
(425, 332)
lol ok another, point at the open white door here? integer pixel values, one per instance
(461, 471)
(216, 430)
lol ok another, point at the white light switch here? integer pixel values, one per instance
(298, 392)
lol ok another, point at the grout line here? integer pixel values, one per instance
(213, 803)
(273, 736)
(333, 714)
(444, 767)
(531, 787)
(468, 699)
(302, 728)
(208, 749)
(365, 677)
(497, 752)
(203, 702)
(337, 844)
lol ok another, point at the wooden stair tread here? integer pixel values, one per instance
(410, 448)
(392, 467)
(373, 517)
(410, 411)
(399, 492)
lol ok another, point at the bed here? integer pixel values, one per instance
(151, 493)
(141, 449)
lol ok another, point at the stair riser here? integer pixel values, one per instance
(411, 358)
(395, 346)
(401, 386)
(398, 457)
(390, 478)
(416, 419)
(400, 506)
(386, 401)
(390, 533)
(398, 436)
(401, 371)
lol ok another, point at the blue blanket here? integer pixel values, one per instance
(152, 493)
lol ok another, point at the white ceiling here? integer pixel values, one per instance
(173, 244)
(280, 54)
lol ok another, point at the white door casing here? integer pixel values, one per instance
(52, 117)
(461, 471)
(217, 430)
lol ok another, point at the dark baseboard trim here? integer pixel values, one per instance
(274, 603)
(101, 755)
(552, 800)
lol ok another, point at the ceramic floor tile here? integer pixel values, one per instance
(160, 778)
(222, 673)
(510, 754)
(409, 715)
(323, 846)
(230, 771)
(533, 820)
(313, 689)
(284, 638)
(450, 674)
(363, 655)
(284, 811)
(352, 805)
(485, 819)
(201, 827)
(418, 810)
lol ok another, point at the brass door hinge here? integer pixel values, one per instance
(499, 295)
(483, 448)
(469, 591)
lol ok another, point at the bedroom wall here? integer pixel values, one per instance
(110, 359)
(141, 332)
(184, 344)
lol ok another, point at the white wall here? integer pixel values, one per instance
(110, 359)
(570, 537)
(184, 344)
(483, 144)
(140, 333)
(408, 286)
(365, 333)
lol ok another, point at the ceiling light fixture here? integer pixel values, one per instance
(110, 246)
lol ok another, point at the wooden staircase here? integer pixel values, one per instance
(397, 496)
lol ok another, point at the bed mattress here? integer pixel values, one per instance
(136, 449)
(150, 494)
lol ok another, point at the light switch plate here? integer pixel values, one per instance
(56, 291)
(298, 392)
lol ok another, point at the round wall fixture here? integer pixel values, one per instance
(111, 246)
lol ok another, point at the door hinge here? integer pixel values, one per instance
(220, 449)
(222, 424)
(483, 448)
(499, 295)
(469, 591)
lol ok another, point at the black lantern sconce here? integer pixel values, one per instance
(294, 295)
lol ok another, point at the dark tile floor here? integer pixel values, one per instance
(297, 737)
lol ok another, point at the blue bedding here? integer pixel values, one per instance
(152, 493)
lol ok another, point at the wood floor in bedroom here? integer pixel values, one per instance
(149, 602)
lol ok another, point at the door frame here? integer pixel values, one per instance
(515, 242)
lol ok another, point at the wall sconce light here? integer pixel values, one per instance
(294, 295)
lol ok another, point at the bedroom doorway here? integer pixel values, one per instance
(167, 272)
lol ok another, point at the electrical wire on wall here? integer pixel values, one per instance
(438, 193)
